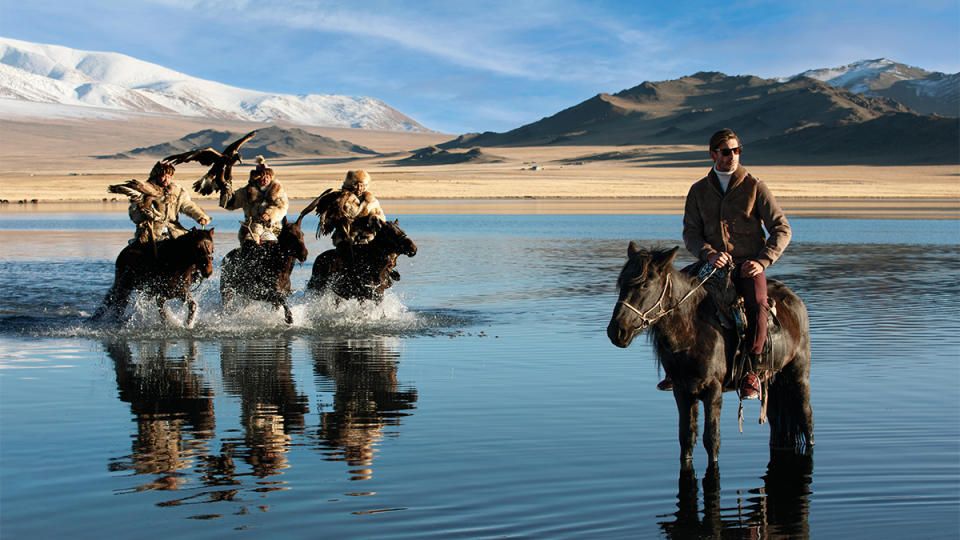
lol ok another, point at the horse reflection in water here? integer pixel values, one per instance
(367, 399)
(259, 372)
(779, 509)
(172, 406)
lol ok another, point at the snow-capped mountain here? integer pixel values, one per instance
(38, 73)
(923, 91)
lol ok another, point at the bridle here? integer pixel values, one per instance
(646, 320)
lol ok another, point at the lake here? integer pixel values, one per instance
(481, 399)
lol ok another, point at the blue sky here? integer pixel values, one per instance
(489, 65)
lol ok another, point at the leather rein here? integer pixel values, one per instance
(646, 320)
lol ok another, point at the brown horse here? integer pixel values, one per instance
(178, 263)
(263, 273)
(372, 270)
(696, 351)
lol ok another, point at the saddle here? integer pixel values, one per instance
(731, 315)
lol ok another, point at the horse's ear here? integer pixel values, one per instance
(632, 249)
(667, 256)
(284, 220)
(211, 231)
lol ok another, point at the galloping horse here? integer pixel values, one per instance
(169, 275)
(372, 270)
(264, 273)
(694, 349)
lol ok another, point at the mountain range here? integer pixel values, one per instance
(780, 120)
(923, 91)
(875, 111)
(115, 82)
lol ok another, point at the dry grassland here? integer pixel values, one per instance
(52, 161)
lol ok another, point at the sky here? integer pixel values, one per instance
(475, 65)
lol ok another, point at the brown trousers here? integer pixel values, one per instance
(754, 292)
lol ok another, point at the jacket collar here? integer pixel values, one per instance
(735, 179)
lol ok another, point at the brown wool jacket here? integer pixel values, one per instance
(734, 221)
(154, 215)
(272, 200)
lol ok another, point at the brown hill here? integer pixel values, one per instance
(894, 139)
(269, 142)
(431, 155)
(690, 109)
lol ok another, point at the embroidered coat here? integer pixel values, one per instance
(734, 221)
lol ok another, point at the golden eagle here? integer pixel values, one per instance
(220, 175)
(337, 208)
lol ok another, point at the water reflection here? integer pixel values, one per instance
(367, 399)
(778, 509)
(259, 372)
(172, 406)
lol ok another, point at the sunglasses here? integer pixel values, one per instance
(726, 152)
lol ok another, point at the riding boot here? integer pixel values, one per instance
(750, 383)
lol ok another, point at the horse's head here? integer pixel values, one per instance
(201, 246)
(291, 240)
(395, 240)
(644, 286)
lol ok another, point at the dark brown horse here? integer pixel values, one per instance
(178, 263)
(263, 273)
(696, 351)
(372, 270)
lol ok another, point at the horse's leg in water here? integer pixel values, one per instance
(712, 402)
(164, 314)
(687, 409)
(191, 310)
(287, 314)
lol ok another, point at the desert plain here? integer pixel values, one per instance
(52, 164)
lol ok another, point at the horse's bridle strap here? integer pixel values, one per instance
(646, 320)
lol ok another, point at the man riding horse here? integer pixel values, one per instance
(724, 218)
(369, 215)
(156, 213)
(264, 204)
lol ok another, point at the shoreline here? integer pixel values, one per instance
(819, 207)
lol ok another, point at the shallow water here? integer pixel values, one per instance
(482, 398)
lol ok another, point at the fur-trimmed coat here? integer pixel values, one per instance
(256, 201)
(734, 221)
(154, 215)
(369, 206)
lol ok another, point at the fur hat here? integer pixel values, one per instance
(261, 169)
(356, 177)
(159, 170)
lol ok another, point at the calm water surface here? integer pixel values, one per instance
(481, 399)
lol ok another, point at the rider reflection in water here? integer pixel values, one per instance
(157, 217)
(264, 203)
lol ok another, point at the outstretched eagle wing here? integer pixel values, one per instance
(135, 189)
(204, 156)
(235, 145)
